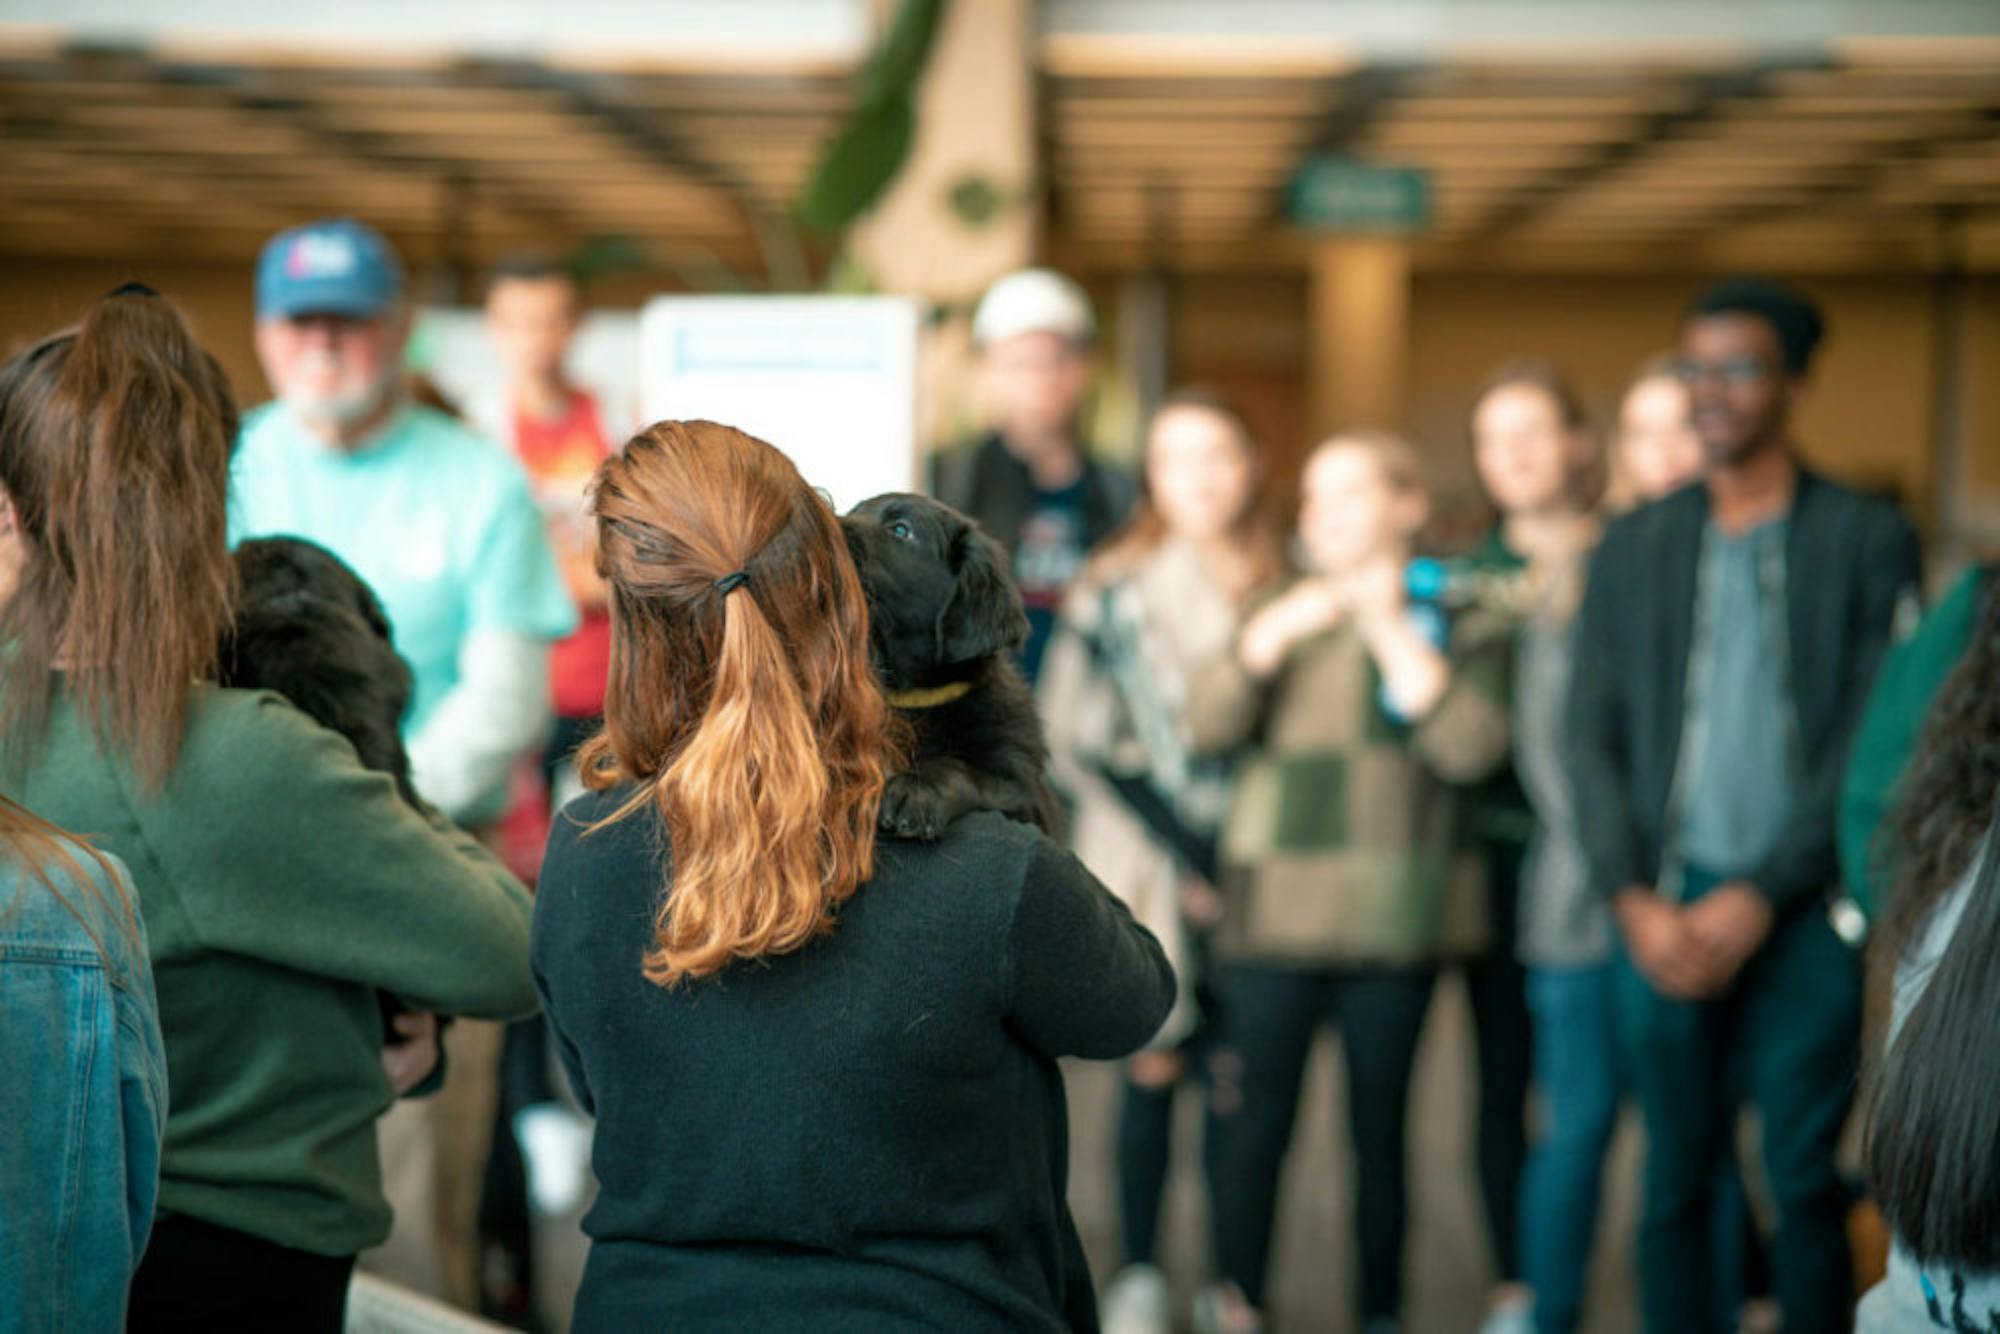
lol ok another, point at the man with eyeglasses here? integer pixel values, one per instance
(1725, 647)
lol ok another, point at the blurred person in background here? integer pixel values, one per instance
(1541, 468)
(1657, 451)
(1030, 481)
(1161, 599)
(284, 888)
(822, 1060)
(443, 526)
(1886, 739)
(1933, 1148)
(556, 428)
(86, 1074)
(1348, 869)
(1726, 642)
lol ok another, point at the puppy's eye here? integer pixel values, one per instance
(901, 531)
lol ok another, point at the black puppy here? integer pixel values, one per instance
(944, 620)
(308, 627)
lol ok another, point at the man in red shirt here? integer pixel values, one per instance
(556, 429)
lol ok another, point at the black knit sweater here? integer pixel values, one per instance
(869, 1134)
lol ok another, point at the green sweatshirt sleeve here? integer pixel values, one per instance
(1464, 737)
(327, 871)
(1911, 674)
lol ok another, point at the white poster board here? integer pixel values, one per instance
(831, 380)
(604, 358)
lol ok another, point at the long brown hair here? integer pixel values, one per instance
(744, 711)
(40, 848)
(1143, 532)
(114, 448)
(1587, 484)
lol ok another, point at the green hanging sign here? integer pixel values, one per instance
(1340, 194)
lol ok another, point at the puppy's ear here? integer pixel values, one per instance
(984, 614)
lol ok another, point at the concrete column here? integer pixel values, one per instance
(1359, 334)
(975, 120)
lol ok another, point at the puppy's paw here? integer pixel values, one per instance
(913, 808)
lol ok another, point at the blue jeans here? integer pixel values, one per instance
(1576, 1069)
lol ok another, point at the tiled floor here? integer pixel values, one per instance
(1449, 1270)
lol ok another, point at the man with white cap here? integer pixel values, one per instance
(442, 526)
(1029, 481)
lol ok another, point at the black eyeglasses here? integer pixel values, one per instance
(1732, 371)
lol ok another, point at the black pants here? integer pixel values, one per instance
(1496, 985)
(198, 1278)
(1787, 1033)
(1268, 1017)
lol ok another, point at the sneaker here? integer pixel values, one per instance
(1514, 1316)
(1137, 1302)
(555, 1147)
(1220, 1309)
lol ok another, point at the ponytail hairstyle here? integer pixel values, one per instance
(1933, 1147)
(41, 849)
(115, 439)
(740, 702)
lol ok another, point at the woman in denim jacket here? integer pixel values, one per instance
(85, 1095)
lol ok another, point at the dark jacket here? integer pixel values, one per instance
(869, 1134)
(1849, 560)
(984, 480)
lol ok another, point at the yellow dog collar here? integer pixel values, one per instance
(932, 697)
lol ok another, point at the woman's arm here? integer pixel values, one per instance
(286, 849)
(1465, 735)
(1082, 978)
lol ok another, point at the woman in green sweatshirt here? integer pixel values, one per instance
(282, 885)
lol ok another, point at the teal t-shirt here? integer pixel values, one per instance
(439, 522)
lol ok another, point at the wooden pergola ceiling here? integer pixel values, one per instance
(1885, 163)
(116, 154)
(1889, 162)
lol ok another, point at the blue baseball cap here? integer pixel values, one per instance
(334, 267)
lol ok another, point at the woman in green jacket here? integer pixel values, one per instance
(283, 887)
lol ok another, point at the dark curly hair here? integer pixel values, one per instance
(1933, 1149)
(1945, 799)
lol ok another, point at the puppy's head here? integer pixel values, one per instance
(939, 594)
(285, 574)
(305, 622)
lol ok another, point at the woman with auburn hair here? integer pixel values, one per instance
(86, 1079)
(822, 1063)
(283, 887)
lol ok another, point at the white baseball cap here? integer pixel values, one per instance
(1033, 301)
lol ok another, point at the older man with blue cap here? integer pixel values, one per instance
(442, 525)
(437, 520)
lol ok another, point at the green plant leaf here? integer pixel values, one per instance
(899, 60)
(858, 164)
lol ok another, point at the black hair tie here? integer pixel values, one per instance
(730, 582)
(132, 289)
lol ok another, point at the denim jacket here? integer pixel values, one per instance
(83, 1101)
